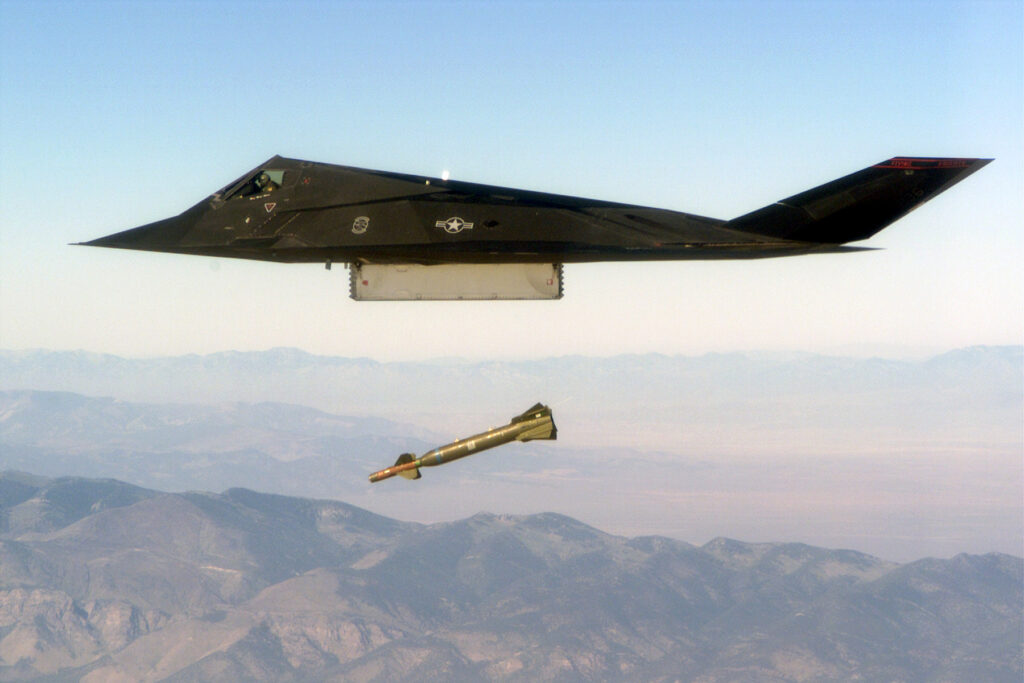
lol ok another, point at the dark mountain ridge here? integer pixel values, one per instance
(100, 581)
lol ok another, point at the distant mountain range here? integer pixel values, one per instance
(105, 581)
(634, 401)
(188, 446)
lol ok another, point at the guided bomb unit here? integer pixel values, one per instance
(409, 237)
(535, 423)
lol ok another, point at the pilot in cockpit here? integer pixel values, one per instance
(263, 183)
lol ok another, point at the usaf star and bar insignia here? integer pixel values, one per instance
(454, 225)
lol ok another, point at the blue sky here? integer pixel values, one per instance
(116, 114)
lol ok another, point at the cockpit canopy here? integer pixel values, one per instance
(260, 183)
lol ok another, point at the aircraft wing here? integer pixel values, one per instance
(415, 237)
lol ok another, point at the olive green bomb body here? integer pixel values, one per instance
(536, 423)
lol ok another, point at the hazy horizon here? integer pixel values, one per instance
(881, 351)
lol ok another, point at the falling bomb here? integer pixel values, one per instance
(535, 423)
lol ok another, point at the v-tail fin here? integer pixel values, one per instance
(859, 205)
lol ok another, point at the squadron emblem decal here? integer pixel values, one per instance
(454, 225)
(360, 224)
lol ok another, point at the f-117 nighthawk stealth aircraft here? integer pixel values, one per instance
(409, 237)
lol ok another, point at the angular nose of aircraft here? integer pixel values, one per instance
(164, 235)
